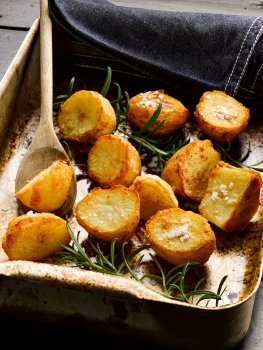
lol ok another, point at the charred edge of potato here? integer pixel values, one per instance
(143, 105)
(85, 116)
(113, 160)
(48, 190)
(110, 213)
(188, 170)
(232, 197)
(180, 236)
(34, 237)
(221, 116)
(155, 194)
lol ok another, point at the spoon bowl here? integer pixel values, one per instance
(45, 147)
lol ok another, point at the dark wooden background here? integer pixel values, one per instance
(16, 17)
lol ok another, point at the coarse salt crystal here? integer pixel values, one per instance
(31, 213)
(214, 195)
(231, 185)
(180, 231)
(223, 189)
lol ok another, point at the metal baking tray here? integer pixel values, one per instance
(92, 300)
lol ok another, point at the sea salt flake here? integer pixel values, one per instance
(31, 213)
(182, 232)
(223, 189)
(214, 195)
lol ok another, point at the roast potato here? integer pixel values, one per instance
(110, 213)
(179, 236)
(221, 117)
(34, 237)
(113, 160)
(232, 197)
(188, 170)
(48, 190)
(85, 116)
(155, 194)
(143, 105)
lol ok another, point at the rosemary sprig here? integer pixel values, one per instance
(118, 263)
(107, 82)
(239, 163)
(163, 148)
(69, 151)
(60, 99)
(174, 286)
(114, 264)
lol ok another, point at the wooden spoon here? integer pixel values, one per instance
(45, 147)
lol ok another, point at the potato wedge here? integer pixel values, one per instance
(34, 237)
(113, 160)
(85, 116)
(110, 213)
(188, 170)
(155, 194)
(179, 236)
(48, 190)
(221, 117)
(143, 105)
(232, 197)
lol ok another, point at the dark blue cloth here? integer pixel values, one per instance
(194, 52)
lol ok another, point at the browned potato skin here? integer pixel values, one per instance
(155, 194)
(110, 205)
(188, 170)
(221, 117)
(113, 160)
(48, 190)
(83, 106)
(34, 238)
(197, 248)
(232, 215)
(143, 105)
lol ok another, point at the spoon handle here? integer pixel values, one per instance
(45, 134)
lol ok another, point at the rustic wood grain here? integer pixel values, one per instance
(18, 13)
(10, 41)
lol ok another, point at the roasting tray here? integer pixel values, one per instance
(95, 301)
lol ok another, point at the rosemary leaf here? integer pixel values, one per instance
(107, 82)
(152, 120)
(238, 163)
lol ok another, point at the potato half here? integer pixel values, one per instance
(221, 117)
(34, 237)
(155, 194)
(110, 213)
(188, 170)
(113, 160)
(143, 105)
(232, 197)
(179, 236)
(85, 116)
(48, 190)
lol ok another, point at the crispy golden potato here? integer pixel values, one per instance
(34, 237)
(113, 160)
(110, 213)
(155, 194)
(232, 197)
(85, 116)
(143, 105)
(179, 236)
(188, 170)
(221, 117)
(48, 190)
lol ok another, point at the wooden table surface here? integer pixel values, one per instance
(16, 17)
